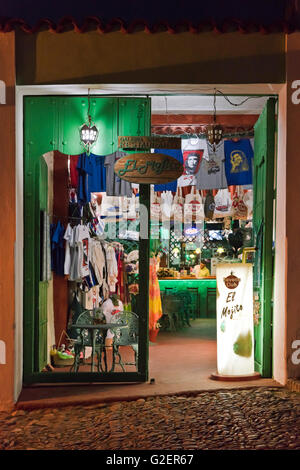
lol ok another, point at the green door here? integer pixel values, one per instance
(42, 259)
(263, 186)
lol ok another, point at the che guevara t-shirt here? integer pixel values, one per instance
(172, 185)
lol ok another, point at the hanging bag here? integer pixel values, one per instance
(239, 208)
(155, 210)
(209, 205)
(193, 207)
(166, 205)
(223, 204)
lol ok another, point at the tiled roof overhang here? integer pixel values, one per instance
(129, 16)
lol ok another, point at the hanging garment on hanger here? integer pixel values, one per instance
(121, 273)
(73, 170)
(238, 162)
(74, 268)
(91, 176)
(112, 268)
(192, 163)
(68, 236)
(57, 248)
(155, 307)
(212, 173)
(195, 143)
(98, 260)
(172, 185)
(115, 186)
(83, 242)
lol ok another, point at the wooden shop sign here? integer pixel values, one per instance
(146, 143)
(148, 168)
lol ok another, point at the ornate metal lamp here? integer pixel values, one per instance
(88, 131)
(214, 132)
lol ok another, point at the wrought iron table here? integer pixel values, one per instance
(93, 329)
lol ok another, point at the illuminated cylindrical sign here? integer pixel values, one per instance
(235, 344)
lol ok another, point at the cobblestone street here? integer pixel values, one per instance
(262, 418)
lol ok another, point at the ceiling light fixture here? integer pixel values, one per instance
(214, 132)
(88, 131)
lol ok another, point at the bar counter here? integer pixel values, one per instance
(203, 291)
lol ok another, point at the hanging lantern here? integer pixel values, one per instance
(214, 132)
(88, 131)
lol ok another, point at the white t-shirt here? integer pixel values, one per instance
(68, 237)
(212, 170)
(112, 313)
(195, 144)
(83, 241)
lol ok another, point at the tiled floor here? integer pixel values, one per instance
(179, 362)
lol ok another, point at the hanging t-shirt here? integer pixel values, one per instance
(115, 186)
(68, 236)
(91, 176)
(211, 174)
(192, 160)
(57, 248)
(83, 242)
(195, 144)
(172, 185)
(73, 170)
(238, 162)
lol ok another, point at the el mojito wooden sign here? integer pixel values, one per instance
(148, 168)
(146, 143)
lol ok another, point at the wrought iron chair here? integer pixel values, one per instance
(84, 339)
(126, 333)
(185, 306)
(174, 305)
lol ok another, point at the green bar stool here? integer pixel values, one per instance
(211, 294)
(194, 301)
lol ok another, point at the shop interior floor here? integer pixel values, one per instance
(179, 362)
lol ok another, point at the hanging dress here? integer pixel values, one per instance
(155, 309)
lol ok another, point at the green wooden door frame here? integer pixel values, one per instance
(52, 123)
(263, 208)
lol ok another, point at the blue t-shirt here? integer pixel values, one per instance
(91, 176)
(172, 185)
(57, 248)
(238, 162)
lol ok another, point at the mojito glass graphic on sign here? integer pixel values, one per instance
(235, 351)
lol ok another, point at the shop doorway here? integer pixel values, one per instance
(136, 121)
(189, 305)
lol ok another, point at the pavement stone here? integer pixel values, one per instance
(250, 419)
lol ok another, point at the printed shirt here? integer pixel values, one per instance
(172, 185)
(211, 174)
(91, 176)
(238, 162)
(115, 186)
